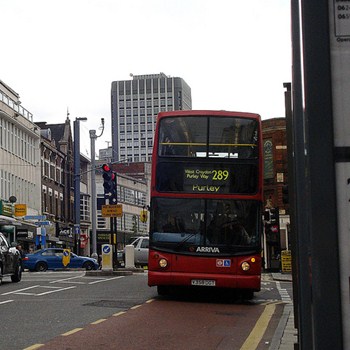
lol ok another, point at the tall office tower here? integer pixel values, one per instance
(135, 106)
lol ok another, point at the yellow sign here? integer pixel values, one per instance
(144, 216)
(286, 260)
(20, 209)
(112, 210)
(66, 257)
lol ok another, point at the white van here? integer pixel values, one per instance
(141, 250)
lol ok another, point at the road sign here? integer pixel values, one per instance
(43, 223)
(77, 229)
(112, 210)
(107, 257)
(66, 257)
(35, 217)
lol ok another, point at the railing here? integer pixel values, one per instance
(15, 106)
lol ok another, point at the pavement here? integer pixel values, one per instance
(286, 335)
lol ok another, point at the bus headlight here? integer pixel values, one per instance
(245, 266)
(163, 263)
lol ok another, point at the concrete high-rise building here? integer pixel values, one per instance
(135, 106)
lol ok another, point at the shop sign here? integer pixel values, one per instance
(65, 232)
(268, 159)
(5, 208)
(103, 237)
(20, 209)
(22, 233)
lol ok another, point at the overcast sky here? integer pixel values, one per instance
(58, 54)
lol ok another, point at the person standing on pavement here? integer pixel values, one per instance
(21, 253)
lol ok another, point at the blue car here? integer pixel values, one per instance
(54, 258)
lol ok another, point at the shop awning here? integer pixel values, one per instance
(7, 220)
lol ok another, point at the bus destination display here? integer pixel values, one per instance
(216, 178)
(206, 180)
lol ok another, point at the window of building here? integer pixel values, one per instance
(85, 208)
(101, 221)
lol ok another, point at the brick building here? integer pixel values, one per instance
(275, 178)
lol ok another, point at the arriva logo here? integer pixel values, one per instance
(207, 250)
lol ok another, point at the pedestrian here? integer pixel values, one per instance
(20, 249)
(21, 253)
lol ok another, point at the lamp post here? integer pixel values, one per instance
(93, 138)
(76, 155)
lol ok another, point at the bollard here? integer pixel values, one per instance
(129, 256)
(107, 257)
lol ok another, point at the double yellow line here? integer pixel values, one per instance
(260, 327)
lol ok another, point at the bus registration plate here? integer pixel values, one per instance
(209, 283)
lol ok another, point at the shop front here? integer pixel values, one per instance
(7, 227)
(65, 237)
(25, 236)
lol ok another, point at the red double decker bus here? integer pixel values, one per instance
(206, 201)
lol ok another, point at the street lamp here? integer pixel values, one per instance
(93, 138)
(76, 155)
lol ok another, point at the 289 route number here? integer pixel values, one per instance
(219, 175)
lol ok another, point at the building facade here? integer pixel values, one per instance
(135, 106)
(58, 188)
(20, 175)
(275, 178)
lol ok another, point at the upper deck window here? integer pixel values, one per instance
(209, 137)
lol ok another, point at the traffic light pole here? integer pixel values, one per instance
(111, 194)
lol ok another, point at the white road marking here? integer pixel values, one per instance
(6, 301)
(20, 290)
(25, 291)
(283, 293)
(68, 279)
(55, 291)
(106, 280)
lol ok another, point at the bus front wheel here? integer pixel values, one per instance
(247, 294)
(162, 290)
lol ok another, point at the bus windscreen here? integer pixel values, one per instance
(222, 223)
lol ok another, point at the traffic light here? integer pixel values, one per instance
(285, 194)
(109, 184)
(274, 216)
(271, 233)
(272, 225)
(267, 215)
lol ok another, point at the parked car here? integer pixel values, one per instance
(53, 258)
(141, 245)
(10, 260)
